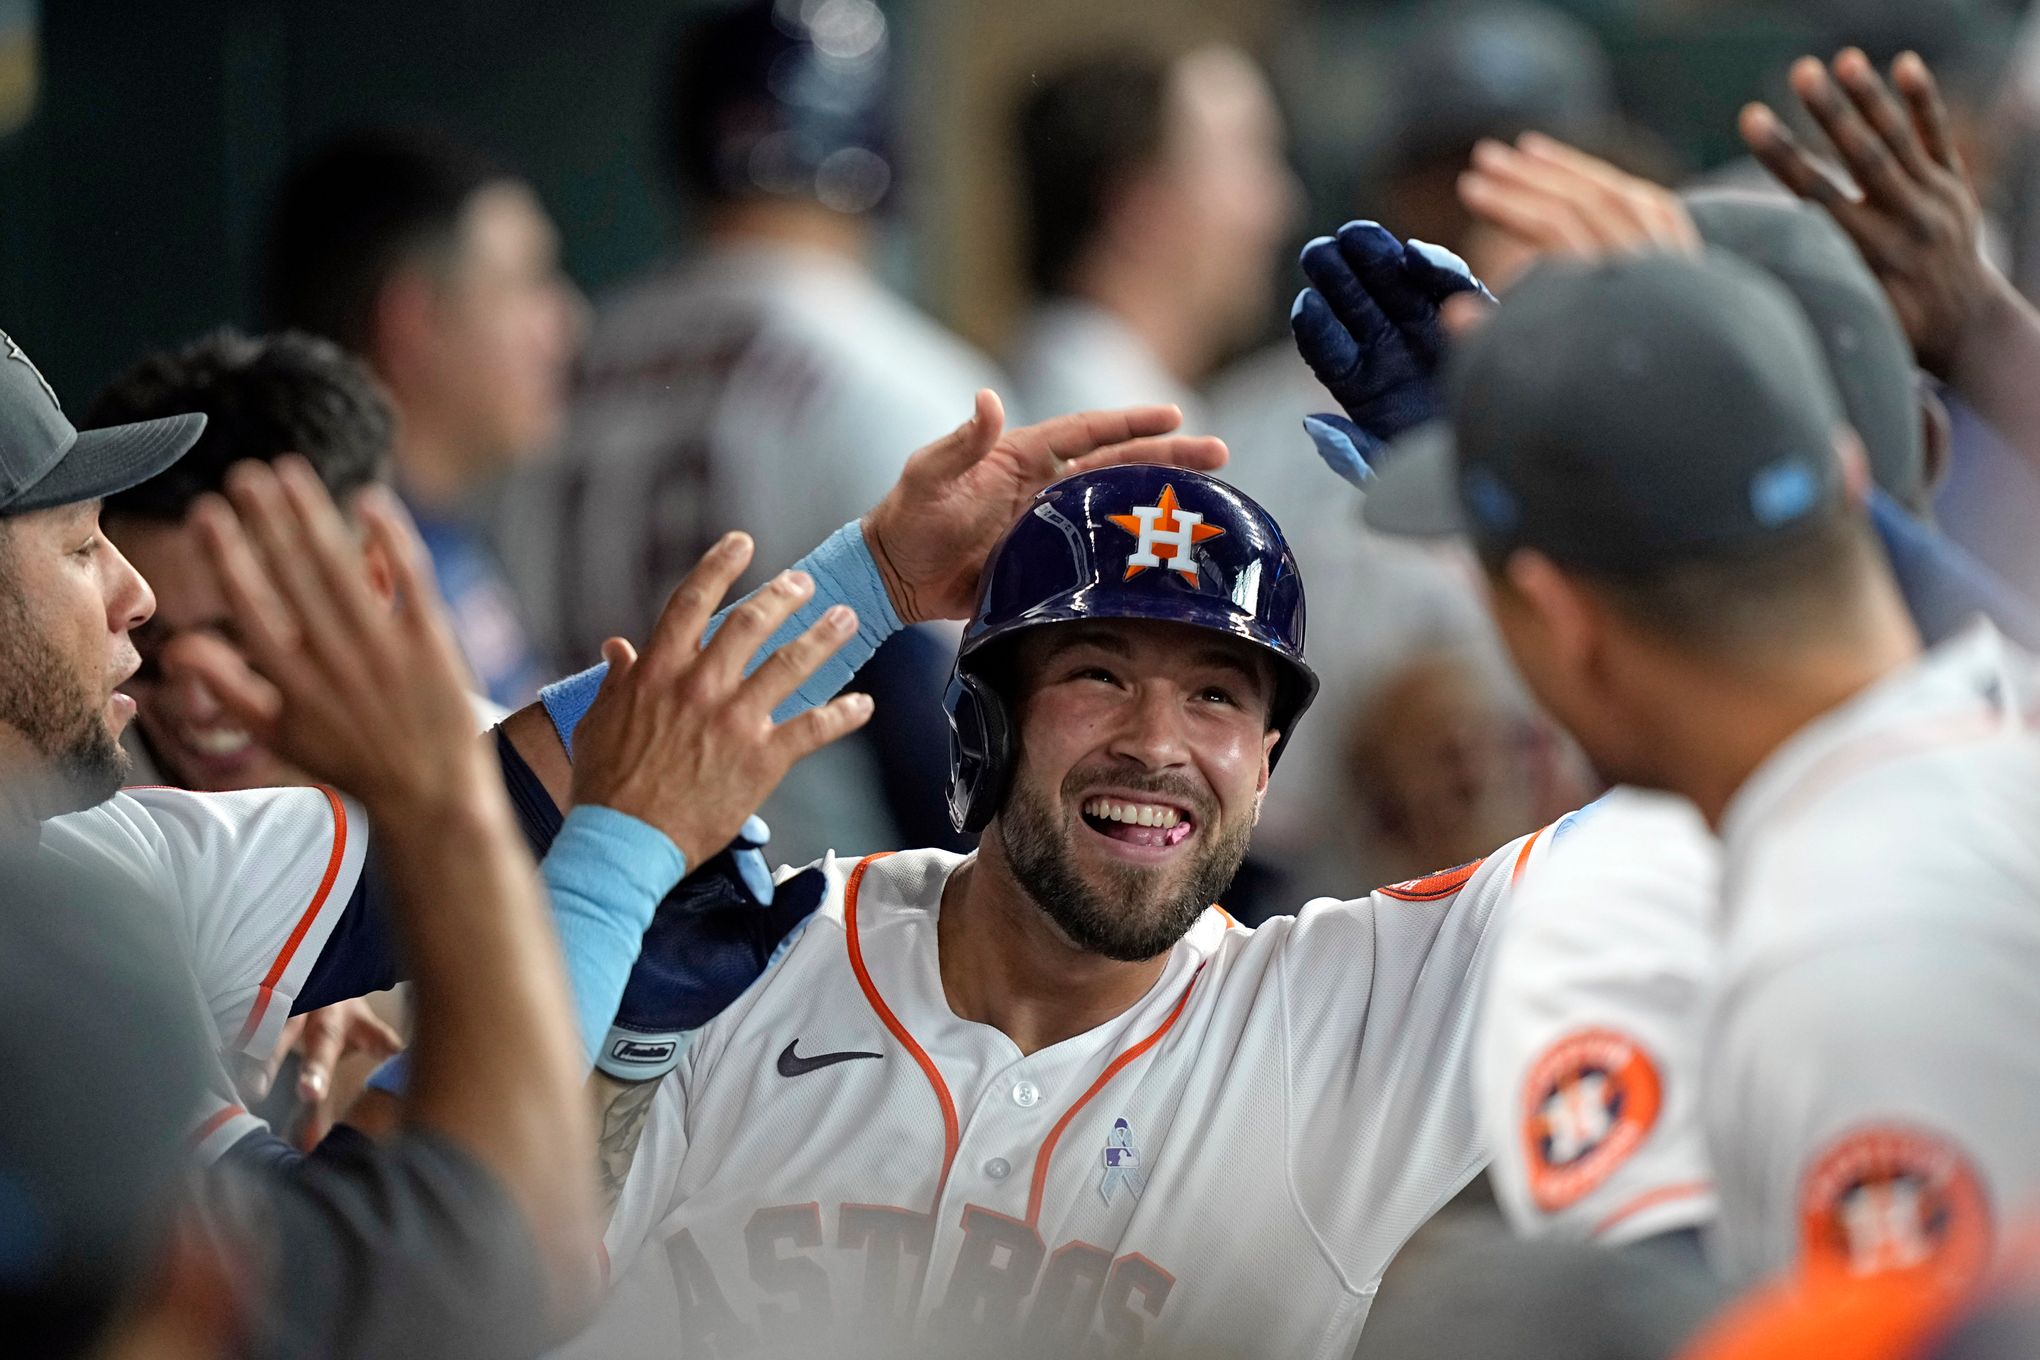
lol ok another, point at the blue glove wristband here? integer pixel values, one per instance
(844, 573)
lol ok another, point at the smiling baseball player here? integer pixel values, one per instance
(1047, 1093)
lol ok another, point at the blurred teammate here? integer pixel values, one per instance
(1156, 198)
(441, 270)
(768, 381)
(262, 399)
(1703, 605)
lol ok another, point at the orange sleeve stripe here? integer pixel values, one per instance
(1523, 855)
(1650, 1199)
(304, 924)
(1118, 1065)
(215, 1122)
(950, 1134)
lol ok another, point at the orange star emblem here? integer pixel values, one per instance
(1164, 524)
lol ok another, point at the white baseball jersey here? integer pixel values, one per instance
(1587, 1052)
(255, 881)
(773, 389)
(1872, 1072)
(1231, 1162)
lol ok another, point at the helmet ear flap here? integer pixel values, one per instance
(980, 744)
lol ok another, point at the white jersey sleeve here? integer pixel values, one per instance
(257, 881)
(1380, 995)
(1587, 1051)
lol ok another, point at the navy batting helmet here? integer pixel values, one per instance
(784, 99)
(1133, 542)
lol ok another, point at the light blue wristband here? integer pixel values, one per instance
(844, 573)
(606, 872)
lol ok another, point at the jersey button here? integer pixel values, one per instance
(1026, 1095)
(998, 1168)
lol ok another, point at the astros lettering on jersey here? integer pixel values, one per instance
(839, 1154)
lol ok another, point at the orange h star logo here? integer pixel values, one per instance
(1165, 525)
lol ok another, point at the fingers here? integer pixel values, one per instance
(676, 637)
(1874, 101)
(798, 738)
(1656, 211)
(1929, 114)
(1325, 344)
(1349, 304)
(794, 664)
(1779, 152)
(1500, 192)
(1864, 154)
(1560, 200)
(372, 1036)
(1059, 441)
(251, 701)
(964, 447)
(754, 619)
(1200, 453)
(260, 617)
(1377, 260)
(390, 529)
(317, 533)
(325, 1038)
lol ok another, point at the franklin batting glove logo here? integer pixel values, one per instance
(638, 1051)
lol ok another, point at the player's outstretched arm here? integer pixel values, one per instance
(374, 700)
(1910, 208)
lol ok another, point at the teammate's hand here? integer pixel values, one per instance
(1558, 200)
(679, 737)
(1371, 329)
(321, 1038)
(1911, 210)
(371, 697)
(932, 532)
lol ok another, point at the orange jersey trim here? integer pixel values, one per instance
(950, 1135)
(311, 914)
(1523, 855)
(215, 1122)
(1118, 1064)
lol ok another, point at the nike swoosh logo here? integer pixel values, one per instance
(791, 1064)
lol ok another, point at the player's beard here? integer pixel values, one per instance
(42, 698)
(1133, 914)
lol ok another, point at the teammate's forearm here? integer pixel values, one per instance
(843, 572)
(620, 1111)
(1994, 367)
(488, 979)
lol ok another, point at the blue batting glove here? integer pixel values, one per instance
(1369, 326)
(711, 938)
(1339, 442)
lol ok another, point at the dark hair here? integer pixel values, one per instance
(1082, 132)
(356, 210)
(262, 398)
(1750, 595)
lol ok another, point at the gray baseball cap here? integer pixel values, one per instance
(1626, 413)
(45, 461)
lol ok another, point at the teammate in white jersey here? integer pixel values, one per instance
(1684, 572)
(1048, 1093)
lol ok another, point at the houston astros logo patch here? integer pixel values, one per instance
(1589, 1103)
(1894, 1199)
(1165, 524)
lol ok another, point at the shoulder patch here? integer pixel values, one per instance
(1588, 1104)
(1431, 887)
(1883, 1199)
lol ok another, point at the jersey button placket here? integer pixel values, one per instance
(1026, 1094)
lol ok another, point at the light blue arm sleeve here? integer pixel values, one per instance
(844, 573)
(606, 873)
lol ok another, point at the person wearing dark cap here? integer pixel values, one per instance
(1670, 507)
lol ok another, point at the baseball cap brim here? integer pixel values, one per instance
(1413, 492)
(102, 462)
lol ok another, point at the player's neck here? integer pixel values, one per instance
(807, 226)
(1743, 720)
(1004, 964)
(1149, 303)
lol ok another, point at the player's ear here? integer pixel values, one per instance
(1538, 604)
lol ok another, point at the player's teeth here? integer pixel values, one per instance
(1147, 816)
(220, 741)
(1133, 814)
